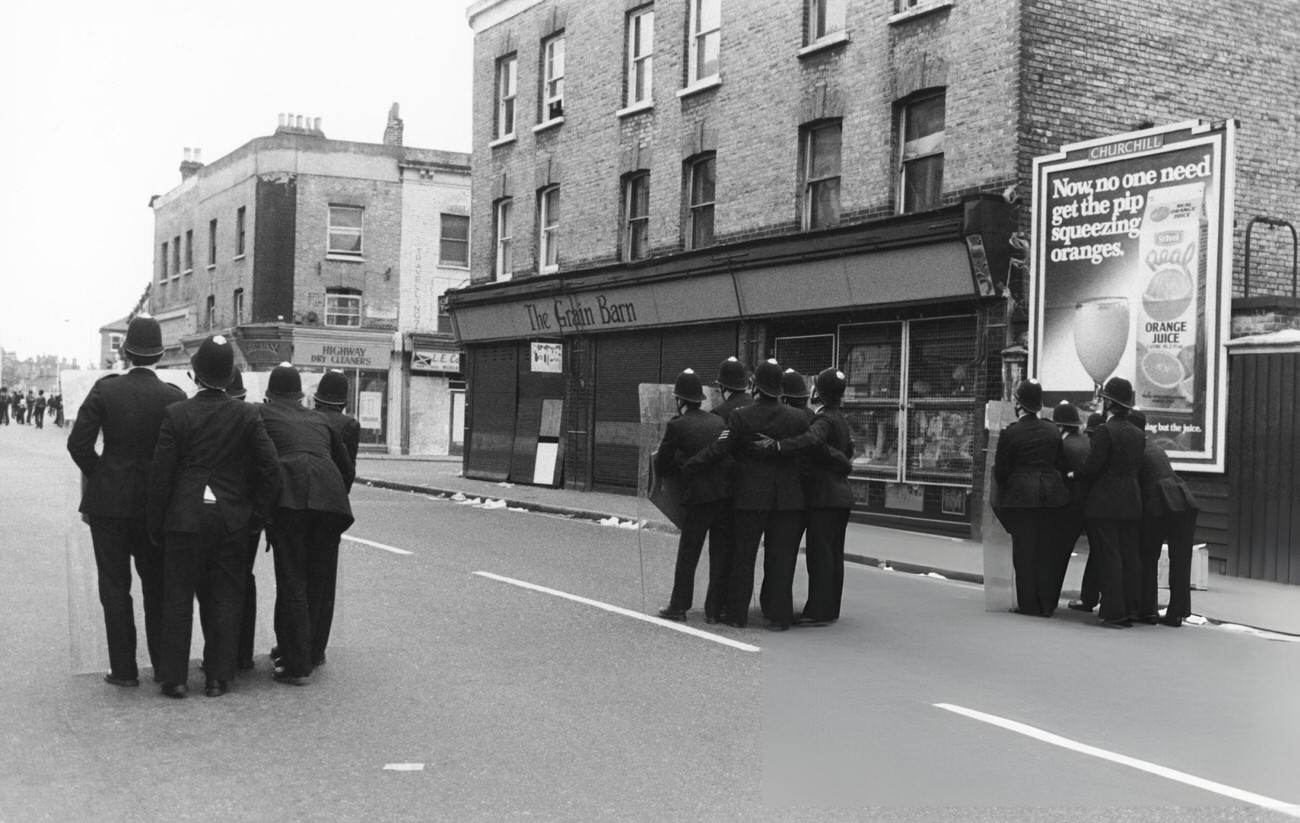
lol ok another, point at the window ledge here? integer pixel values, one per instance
(701, 85)
(827, 42)
(211, 266)
(549, 124)
(635, 108)
(502, 141)
(238, 257)
(344, 258)
(188, 271)
(548, 269)
(920, 10)
(457, 266)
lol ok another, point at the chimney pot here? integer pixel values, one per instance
(298, 122)
(198, 155)
(317, 124)
(187, 154)
(281, 119)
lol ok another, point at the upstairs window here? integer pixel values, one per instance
(239, 232)
(553, 79)
(114, 344)
(505, 84)
(345, 224)
(821, 174)
(239, 306)
(176, 255)
(453, 241)
(705, 40)
(162, 263)
(921, 125)
(342, 307)
(636, 215)
(189, 250)
(548, 236)
(212, 242)
(504, 265)
(825, 17)
(210, 313)
(640, 56)
(700, 185)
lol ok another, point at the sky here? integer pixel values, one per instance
(99, 101)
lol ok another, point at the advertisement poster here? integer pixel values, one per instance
(370, 410)
(1132, 277)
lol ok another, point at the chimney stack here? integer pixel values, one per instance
(192, 163)
(393, 132)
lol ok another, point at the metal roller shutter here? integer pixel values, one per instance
(534, 387)
(623, 362)
(492, 393)
(701, 348)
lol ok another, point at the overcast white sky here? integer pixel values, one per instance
(100, 99)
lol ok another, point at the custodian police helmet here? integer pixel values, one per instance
(1065, 414)
(688, 387)
(731, 375)
(284, 382)
(332, 389)
(1029, 394)
(1118, 391)
(768, 378)
(143, 337)
(830, 383)
(214, 362)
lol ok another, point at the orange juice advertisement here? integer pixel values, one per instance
(1130, 277)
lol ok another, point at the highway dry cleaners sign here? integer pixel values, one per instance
(353, 355)
(1132, 274)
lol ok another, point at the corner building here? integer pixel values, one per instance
(328, 254)
(828, 182)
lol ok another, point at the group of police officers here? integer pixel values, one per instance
(761, 466)
(184, 486)
(1112, 483)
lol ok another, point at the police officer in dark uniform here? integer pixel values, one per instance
(127, 410)
(213, 470)
(1114, 506)
(310, 517)
(733, 382)
(1075, 447)
(1030, 493)
(248, 618)
(767, 497)
(826, 452)
(705, 497)
(1089, 591)
(1168, 518)
(794, 393)
(331, 396)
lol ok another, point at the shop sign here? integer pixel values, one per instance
(370, 410)
(548, 358)
(580, 311)
(435, 361)
(342, 354)
(1132, 277)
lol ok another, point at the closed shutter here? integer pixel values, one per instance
(491, 386)
(623, 362)
(534, 387)
(702, 348)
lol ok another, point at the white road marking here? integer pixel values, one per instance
(404, 767)
(658, 621)
(375, 545)
(1290, 809)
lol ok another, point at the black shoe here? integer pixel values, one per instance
(216, 688)
(276, 657)
(1149, 619)
(245, 664)
(318, 662)
(1172, 622)
(1122, 623)
(673, 614)
(735, 624)
(712, 619)
(128, 682)
(1079, 606)
(177, 690)
(281, 675)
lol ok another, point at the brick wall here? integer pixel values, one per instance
(426, 196)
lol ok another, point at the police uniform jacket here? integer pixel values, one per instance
(1112, 471)
(215, 442)
(348, 429)
(315, 469)
(685, 436)
(1163, 491)
(738, 400)
(826, 450)
(762, 480)
(1027, 465)
(1076, 447)
(128, 410)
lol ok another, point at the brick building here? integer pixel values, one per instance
(327, 254)
(830, 182)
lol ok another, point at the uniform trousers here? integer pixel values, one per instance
(1034, 538)
(322, 580)
(116, 541)
(1070, 523)
(765, 589)
(825, 562)
(779, 532)
(1120, 573)
(306, 548)
(248, 616)
(208, 564)
(1177, 529)
(712, 519)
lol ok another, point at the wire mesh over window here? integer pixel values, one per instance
(871, 356)
(940, 444)
(808, 354)
(943, 359)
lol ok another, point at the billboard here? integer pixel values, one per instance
(1131, 275)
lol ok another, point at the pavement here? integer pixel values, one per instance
(1233, 601)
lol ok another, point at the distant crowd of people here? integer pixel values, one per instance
(30, 408)
(183, 487)
(761, 466)
(1111, 482)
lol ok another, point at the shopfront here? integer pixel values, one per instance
(435, 396)
(365, 359)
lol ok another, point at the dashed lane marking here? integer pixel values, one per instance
(403, 767)
(1289, 809)
(657, 621)
(372, 544)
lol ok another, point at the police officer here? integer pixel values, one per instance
(248, 618)
(705, 497)
(310, 517)
(127, 410)
(826, 451)
(213, 470)
(331, 396)
(794, 393)
(767, 497)
(1075, 447)
(1030, 493)
(1114, 505)
(733, 383)
(1089, 593)
(1168, 518)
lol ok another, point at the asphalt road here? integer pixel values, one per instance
(456, 691)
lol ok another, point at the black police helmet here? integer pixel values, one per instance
(236, 387)
(214, 362)
(332, 390)
(1029, 394)
(731, 375)
(768, 378)
(284, 382)
(793, 384)
(143, 337)
(688, 387)
(1118, 391)
(1094, 422)
(1065, 414)
(830, 384)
